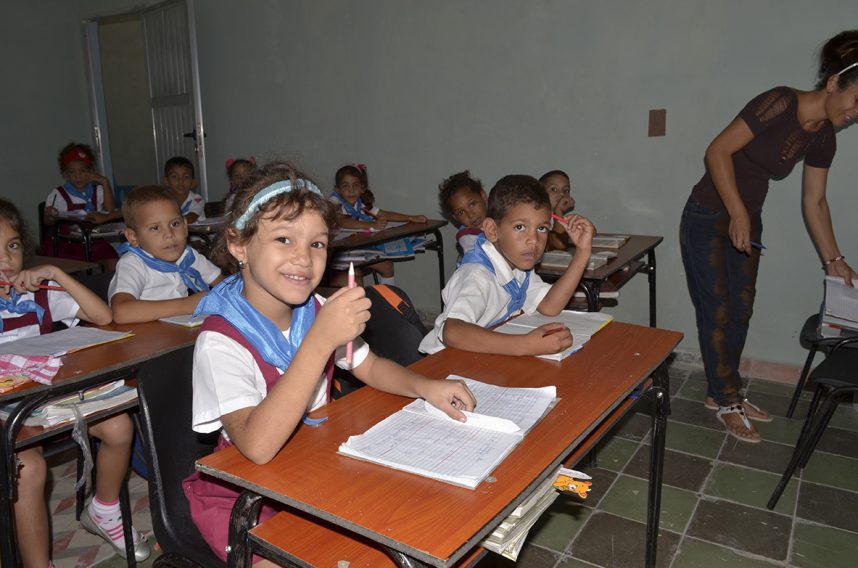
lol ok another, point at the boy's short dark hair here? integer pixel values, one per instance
(179, 162)
(142, 195)
(512, 190)
(449, 187)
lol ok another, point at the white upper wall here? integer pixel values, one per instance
(419, 90)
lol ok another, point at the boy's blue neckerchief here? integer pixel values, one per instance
(190, 275)
(86, 194)
(15, 305)
(186, 207)
(354, 211)
(517, 292)
(227, 301)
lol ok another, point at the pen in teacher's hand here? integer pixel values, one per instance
(758, 245)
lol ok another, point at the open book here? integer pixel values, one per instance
(98, 398)
(423, 440)
(583, 326)
(61, 342)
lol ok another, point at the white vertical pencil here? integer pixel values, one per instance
(349, 346)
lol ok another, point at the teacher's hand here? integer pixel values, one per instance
(843, 270)
(740, 232)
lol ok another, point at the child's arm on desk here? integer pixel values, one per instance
(347, 222)
(545, 339)
(128, 309)
(91, 308)
(580, 231)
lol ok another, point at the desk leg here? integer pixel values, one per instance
(8, 556)
(245, 514)
(661, 392)
(87, 246)
(439, 249)
(591, 293)
(651, 276)
(403, 560)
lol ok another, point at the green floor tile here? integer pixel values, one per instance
(772, 387)
(695, 553)
(628, 498)
(693, 390)
(845, 417)
(749, 487)
(817, 546)
(559, 525)
(780, 430)
(694, 440)
(829, 469)
(615, 453)
(574, 563)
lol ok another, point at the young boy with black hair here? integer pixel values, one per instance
(158, 269)
(496, 279)
(180, 178)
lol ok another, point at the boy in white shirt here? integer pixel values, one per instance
(496, 279)
(158, 270)
(179, 177)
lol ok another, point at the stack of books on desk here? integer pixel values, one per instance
(609, 241)
(839, 317)
(88, 402)
(423, 440)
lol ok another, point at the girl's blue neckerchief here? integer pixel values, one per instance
(190, 275)
(17, 306)
(517, 292)
(86, 194)
(227, 301)
(354, 211)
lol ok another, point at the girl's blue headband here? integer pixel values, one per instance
(269, 193)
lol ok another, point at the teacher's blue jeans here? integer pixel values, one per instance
(722, 283)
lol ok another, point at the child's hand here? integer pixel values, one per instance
(28, 280)
(379, 223)
(417, 219)
(450, 396)
(343, 317)
(51, 213)
(580, 231)
(98, 179)
(549, 338)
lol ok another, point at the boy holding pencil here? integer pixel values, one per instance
(496, 279)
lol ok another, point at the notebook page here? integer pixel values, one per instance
(433, 448)
(61, 342)
(840, 301)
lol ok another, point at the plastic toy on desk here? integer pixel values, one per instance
(573, 481)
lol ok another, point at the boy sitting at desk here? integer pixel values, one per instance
(158, 269)
(496, 278)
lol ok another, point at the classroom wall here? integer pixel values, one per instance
(43, 102)
(419, 90)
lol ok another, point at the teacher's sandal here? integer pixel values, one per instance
(747, 434)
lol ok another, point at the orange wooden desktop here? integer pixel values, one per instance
(431, 521)
(81, 370)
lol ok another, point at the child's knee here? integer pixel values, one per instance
(114, 431)
(33, 472)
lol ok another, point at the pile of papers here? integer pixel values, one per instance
(583, 325)
(839, 316)
(508, 538)
(88, 402)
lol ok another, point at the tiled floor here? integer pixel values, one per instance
(713, 505)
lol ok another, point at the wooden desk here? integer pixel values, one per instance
(365, 239)
(80, 370)
(410, 514)
(67, 265)
(628, 262)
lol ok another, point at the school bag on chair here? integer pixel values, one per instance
(394, 331)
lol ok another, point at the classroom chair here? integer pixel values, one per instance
(836, 379)
(165, 389)
(810, 339)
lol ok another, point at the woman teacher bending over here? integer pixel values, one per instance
(721, 229)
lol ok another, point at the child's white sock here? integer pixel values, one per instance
(389, 281)
(109, 518)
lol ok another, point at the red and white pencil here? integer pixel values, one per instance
(349, 345)
(40, 286)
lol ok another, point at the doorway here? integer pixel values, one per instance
(144, 92)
